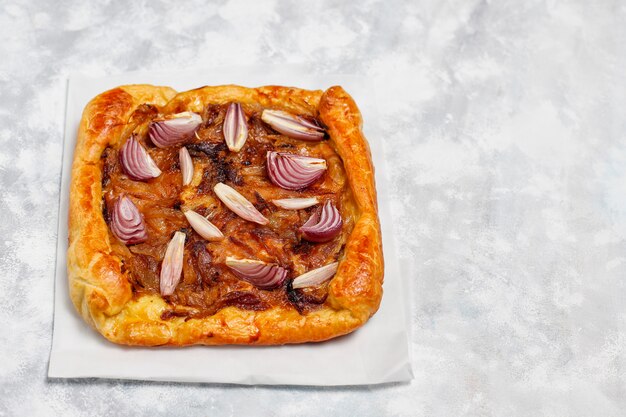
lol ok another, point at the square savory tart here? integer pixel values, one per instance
(223, 215)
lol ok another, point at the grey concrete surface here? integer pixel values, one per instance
(505, 134)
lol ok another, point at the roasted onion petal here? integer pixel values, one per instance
(136, 162)
(298, 127)
(238, 204)
(127, 222)
(294, 172)
(296, 203)
(316, 276)
(258, 273)
(309, 122)
(172, 265)
(174, 129)
(323, 225)
(203, 227)
(186, 165)
(235, 127)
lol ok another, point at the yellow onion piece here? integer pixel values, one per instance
(172, 265)
(294, 126)
(296, 203)
(315, 277)
(202, 226)
(235, 127)
(238, 204)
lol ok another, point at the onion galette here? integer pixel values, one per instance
(223, 215)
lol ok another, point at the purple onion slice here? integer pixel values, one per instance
(294, 172)
(258, 273)
(323, 225)
(136, 162)
(127, 222)
(174, 129)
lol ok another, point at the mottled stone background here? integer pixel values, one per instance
(504, 129)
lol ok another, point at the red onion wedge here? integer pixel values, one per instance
(238, 204)
(174, 129)
(298, 127)
(296, 203)
(136, 162)
(294, 172)
(258, 273)
(186, 165)
(323, 225)
(235, 127)
(315, 277)
(127, 222)
(172, 265)
(203, 227)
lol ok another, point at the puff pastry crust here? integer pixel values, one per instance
(100, 288)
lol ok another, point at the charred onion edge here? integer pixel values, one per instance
(186, 165)
(315, 277)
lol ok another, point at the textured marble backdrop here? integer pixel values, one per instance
(504, 127)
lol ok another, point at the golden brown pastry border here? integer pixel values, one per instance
(102, 293)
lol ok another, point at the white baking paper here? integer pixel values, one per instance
(376, 353)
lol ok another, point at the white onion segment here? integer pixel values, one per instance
(235, 127)
(315, 277)
(239, 204)
(323, 225)
(294, 126)
(136, 162)
(186, 165)
(296, 203)
(258, 273)
(127, 223)
(294, 172)
(172, 265)
(203, 227)
(174, 129)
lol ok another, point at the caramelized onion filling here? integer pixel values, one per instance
(207, 284)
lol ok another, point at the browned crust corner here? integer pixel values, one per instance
(102, 293)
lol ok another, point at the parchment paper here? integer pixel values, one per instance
(376, 353)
